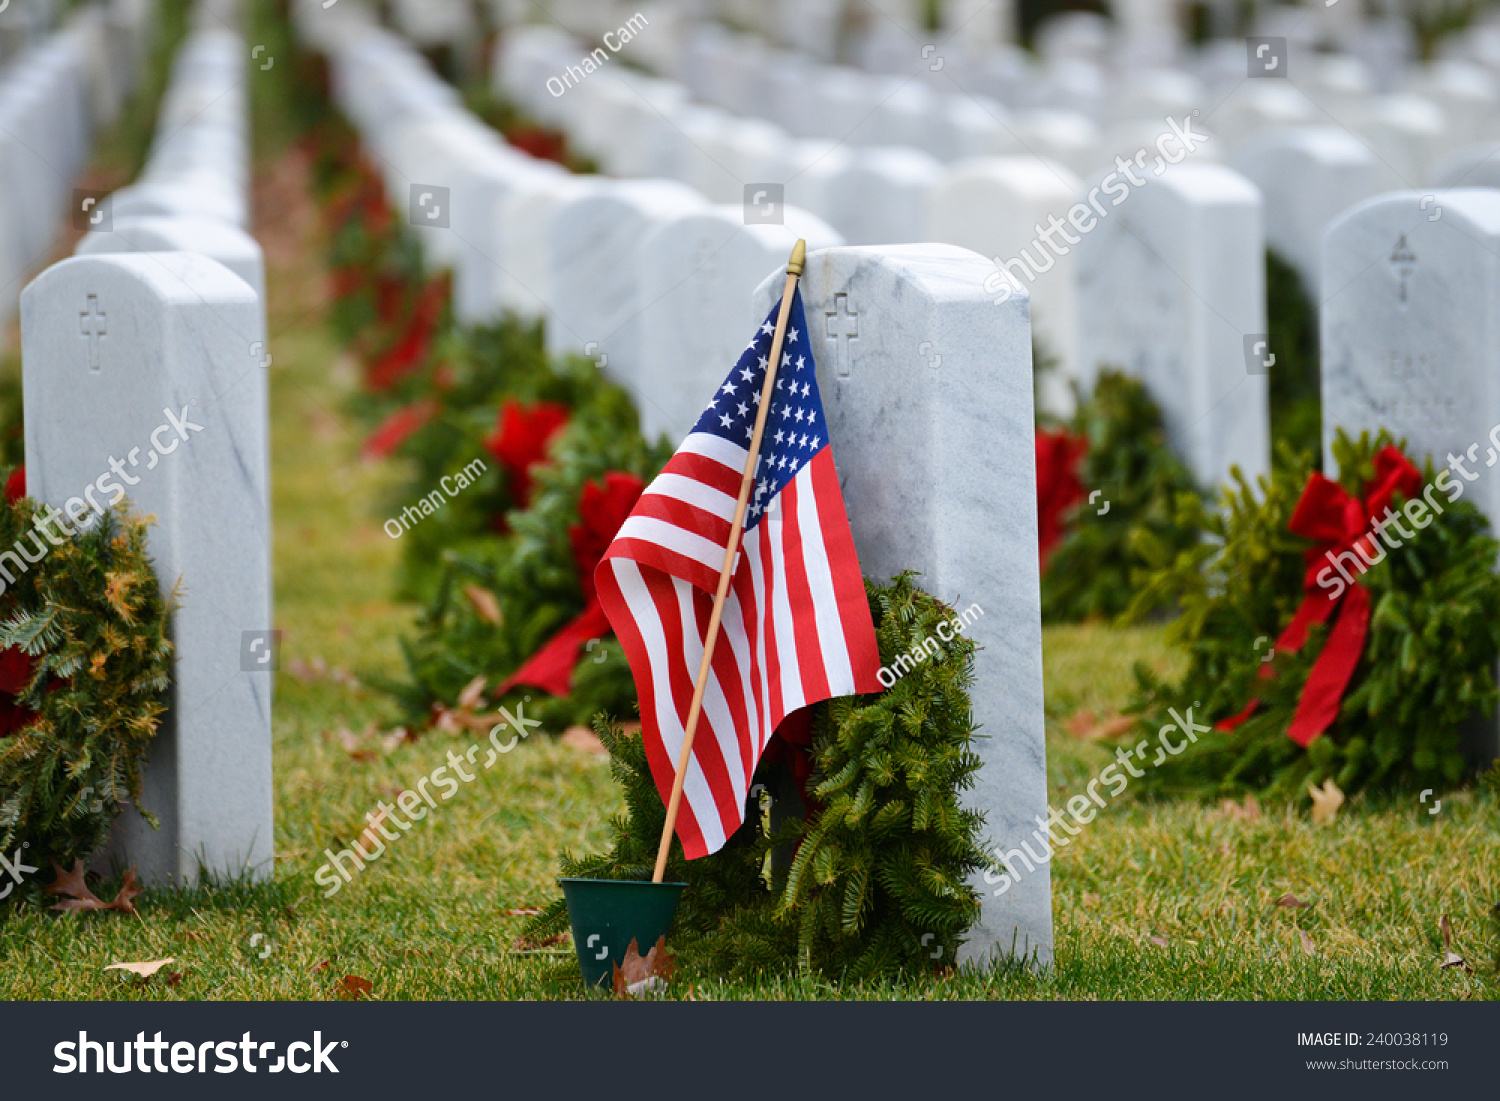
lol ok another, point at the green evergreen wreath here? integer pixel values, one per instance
(531, 574)
(1150, 496)
(1424, 673)
(878, 885)
(488, 366)
(91, 622)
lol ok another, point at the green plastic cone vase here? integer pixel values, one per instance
(607, 914)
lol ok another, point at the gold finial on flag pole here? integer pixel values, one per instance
(726, 573)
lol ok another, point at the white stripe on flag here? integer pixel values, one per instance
(753, 546)
(710, 446)
(716, 720)
(643, 610)
(792, 695)
(820, 582)
(736, 635)
(664, 533)
(691, 491)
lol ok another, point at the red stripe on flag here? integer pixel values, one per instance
(848, 583)
(799, 595)
(775, 703)
(683, 680)
(710, 472)
(663, 767)
(709, 738)
(690, 517)
(754, 626)
(657, 557)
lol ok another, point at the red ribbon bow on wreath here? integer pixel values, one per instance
(1058, 488)
(520, 441)
(411, 350)
(1342, 525)
(601, 511)
(16, 666)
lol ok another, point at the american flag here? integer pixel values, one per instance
(796, 625)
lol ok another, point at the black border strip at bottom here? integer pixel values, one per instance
(826, 1050)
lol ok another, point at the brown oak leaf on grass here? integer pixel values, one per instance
(352, 743)
(484, 602)
(1088, 726)
(582, 739)
(524, 945)
(1450, 957)
(1326, 802)
(467, 714)
(643, 974)
(1248, 811)
(353, 987)
(1307, 943)
(1292, 902)
(144, 970)
(79, 898)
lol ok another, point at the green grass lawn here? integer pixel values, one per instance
(1164, 901)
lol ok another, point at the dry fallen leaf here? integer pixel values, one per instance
(354, 987)
(1292, 902)
(304, 670)
(1307, 944)
(1086, 725)
(353, 744)
(524, 945)
(1326, 801)
(1159, 941)
(1080, 722)
(485, 604)
(144, 970)
(473, 694)
(583, 739)
(521, 911)
(1450, 958)
(397, 736)
(639, 974)
(1248, 811)
(80, 898)
(128, 893)
(174, 977)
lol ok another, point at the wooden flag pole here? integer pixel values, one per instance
(726, 573)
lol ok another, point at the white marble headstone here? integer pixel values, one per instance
(927, 388)
(1406, 343)
(229, 245)
(698, 273)
(880, 195)
(595, 262)
(1407, 340)
(1307, 176)
(996, 206)
(1171, 285)
(143, 366)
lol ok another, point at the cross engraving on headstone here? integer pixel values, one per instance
(92, 326)
(842, 327)
(1403, 259)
